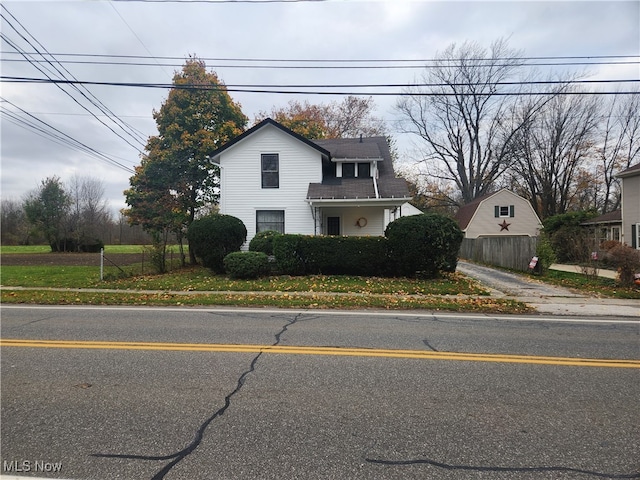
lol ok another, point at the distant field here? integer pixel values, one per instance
(107, 249)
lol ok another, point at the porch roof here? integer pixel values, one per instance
(607, 218)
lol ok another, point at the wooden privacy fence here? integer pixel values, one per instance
(507, 252)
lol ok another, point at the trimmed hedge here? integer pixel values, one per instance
(289, 252)
(213, 237)
(347, 256)
(263, 242)
(417, 245)
(309, 255)
(246, 265)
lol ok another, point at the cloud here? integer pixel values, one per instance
(314, 30)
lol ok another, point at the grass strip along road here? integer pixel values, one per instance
(332, 351)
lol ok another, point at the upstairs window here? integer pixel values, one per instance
(364, 170)
(349, 170)
(270, 170)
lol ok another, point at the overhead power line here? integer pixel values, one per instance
(53, 68)
(324, 64)
(326, 89)
(30, 122)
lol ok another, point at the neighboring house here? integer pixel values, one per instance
(271, 178)
(501, 214)
(631, 205)
(605, 227)
(407, 210)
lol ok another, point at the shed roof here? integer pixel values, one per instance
(631, 171)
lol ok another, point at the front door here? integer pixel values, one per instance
(333, 225)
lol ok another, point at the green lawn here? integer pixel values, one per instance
(197, 286)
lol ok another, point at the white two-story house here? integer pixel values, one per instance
(630, 214)
(274, 179)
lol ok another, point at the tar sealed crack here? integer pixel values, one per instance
(177, 457)
(488, 468)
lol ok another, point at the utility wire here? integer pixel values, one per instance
(304, 65)
(289, 89)
(136, 35)
(42, 128)
(136, 135)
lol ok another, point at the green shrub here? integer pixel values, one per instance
(423, 245)
(213, 237)
(570, 242)
(93, 245)
(263, 242)
(365, 256)
(246, 265)
(288, 252)
(545, 253)
(302, 255)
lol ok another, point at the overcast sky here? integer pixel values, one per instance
(337, 30)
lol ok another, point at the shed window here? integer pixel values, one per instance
(502, 211)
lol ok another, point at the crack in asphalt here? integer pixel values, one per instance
(480, 468)
(427, 344)
(177, 457)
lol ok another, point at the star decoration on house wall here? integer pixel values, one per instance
(504, 226)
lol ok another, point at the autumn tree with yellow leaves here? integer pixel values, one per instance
(176, 178)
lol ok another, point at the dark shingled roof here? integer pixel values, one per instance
(354, 148)
(466, 212)
(611, 217)
(351, 188)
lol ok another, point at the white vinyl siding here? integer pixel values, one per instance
(241, 192)
(349, 216)
(631, 211)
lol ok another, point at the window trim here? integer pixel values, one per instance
(368, 168)
(355, 170)
(259, 223)
(510, 211)
(265, 174)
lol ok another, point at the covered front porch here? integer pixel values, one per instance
(354, 218)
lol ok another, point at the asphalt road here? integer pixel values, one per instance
(180, 394)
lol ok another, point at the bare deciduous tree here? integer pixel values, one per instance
(620, 146)
(551, 149)
(465, 124)
(14, 227)
(89, 214)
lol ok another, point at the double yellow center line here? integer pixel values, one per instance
(332, 351)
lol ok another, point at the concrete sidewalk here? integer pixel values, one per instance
(602, 272)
